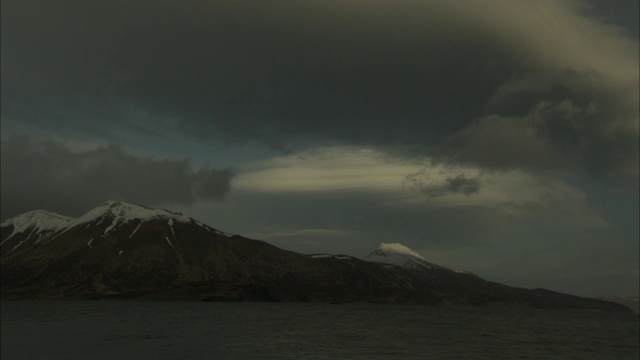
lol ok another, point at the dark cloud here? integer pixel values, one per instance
(288, 73)
(212, 184)
(458, 184)
(621, 13)
(49, 175)
(559, 135)
(375, 74)
(461, 185)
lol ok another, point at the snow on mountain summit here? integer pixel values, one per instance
(385, 249)
(36, 221)
(122, 219)
(398, 254)
(123, 212)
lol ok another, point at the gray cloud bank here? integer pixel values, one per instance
(47, 174)
(459, 184)
(503, 84)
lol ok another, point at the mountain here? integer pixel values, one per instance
(126, 250)
(632, 302)
(398, 254)
(121, 250)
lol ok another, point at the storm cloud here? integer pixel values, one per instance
(498, 83)
(47, 174)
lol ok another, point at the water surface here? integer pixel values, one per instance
(190, 330)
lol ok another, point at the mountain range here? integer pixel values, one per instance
(126, 251)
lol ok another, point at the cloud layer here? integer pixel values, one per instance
(47, 174)
(496, 196)
(534, 85)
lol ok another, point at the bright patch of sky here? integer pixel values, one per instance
(423, 183)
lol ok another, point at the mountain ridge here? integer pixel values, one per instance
(121, 250)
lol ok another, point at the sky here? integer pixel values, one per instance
(499, 137)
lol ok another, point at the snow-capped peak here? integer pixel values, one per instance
(37, 220)
(398, 254)
(385, 249)
(44, 226)
(122, 212)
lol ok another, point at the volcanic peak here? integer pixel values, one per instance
(398, 254)
(394, 249)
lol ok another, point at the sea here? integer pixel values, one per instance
(193, 330)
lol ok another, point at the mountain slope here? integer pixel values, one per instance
(128, 251)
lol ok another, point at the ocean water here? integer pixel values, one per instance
(187, 330)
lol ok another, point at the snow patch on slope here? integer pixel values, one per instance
(168, 241)
(17, 246)
(171, 226)
(134, 231)
(111, 227)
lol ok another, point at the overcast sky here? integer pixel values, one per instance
(497, 136)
